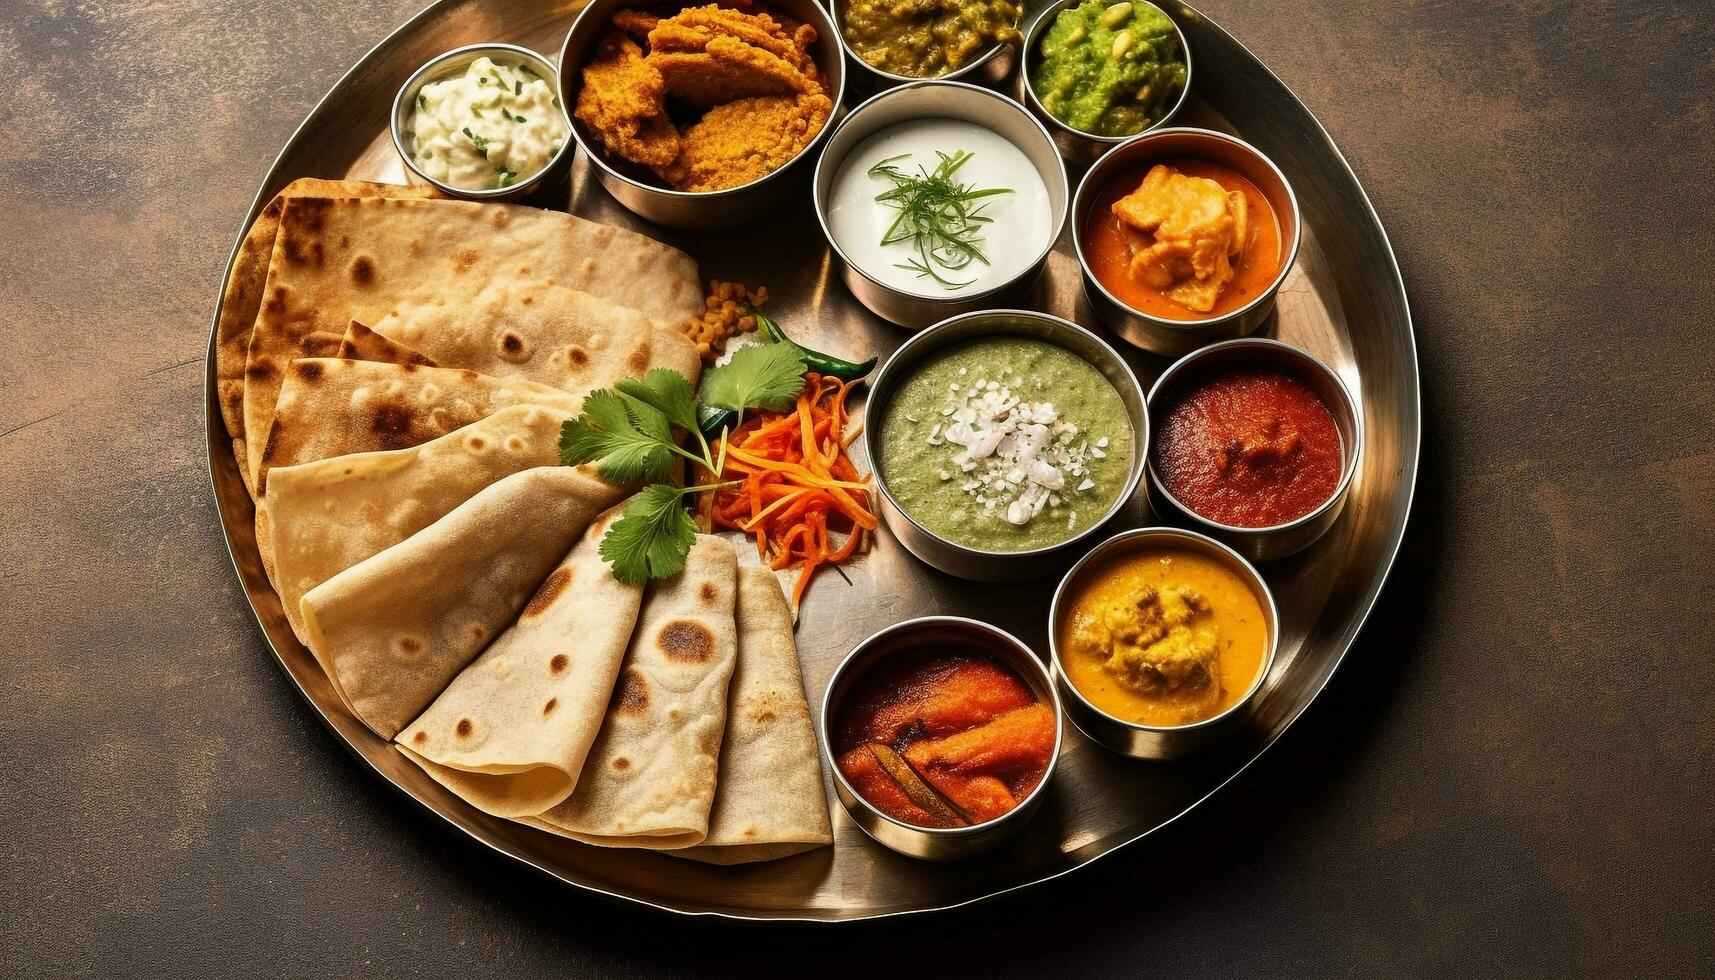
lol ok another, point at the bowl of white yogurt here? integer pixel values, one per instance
(940, 198)
(483, 122)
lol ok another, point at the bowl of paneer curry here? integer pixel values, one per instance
(1184, 237)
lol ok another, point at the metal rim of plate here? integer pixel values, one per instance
(1350, 275)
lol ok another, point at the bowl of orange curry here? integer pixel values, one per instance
(942, 734)
(1184, 237)
(1161, 640)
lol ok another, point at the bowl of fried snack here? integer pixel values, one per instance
(701, 116)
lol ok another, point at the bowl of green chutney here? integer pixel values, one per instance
(1002, 440)
(1098, 72)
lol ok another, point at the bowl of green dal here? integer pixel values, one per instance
(1098, 72)
(1001, 440)
(892, 42)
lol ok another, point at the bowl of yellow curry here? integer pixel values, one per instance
(1161, 641)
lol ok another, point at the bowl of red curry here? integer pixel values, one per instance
(942, 734)
(1256, 444)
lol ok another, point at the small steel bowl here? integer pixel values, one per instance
(964, 561)
(953, 100)
(991, 68)
(640, 190)
(1075, 144)
(934, 843)
(452, 63)
(1160, 741)
(1278, 540)
(1158, 334)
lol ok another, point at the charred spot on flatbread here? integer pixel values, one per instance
(311, 213)
(621, 764)
(308, 370)
(552, 587)
(577, 356)
(639, 358)
(363, 270)
(548, 709)
(464, 728)
(709, 593)
(686, 642)
(631, 695)
(559, 663)
(392, 423)
(512, 346)
(463, 259)
(420, 738)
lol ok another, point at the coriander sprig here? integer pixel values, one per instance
(627, 431)
(941, 217)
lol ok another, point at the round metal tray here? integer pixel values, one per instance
(1345, 302)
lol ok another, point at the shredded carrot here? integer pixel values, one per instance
(789, 483)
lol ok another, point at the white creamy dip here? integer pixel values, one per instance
(1017, 234)
(493, 126)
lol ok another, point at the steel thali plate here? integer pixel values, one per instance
(1344, 302)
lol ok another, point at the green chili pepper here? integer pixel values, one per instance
(816, 361)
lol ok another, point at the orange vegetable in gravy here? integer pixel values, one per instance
(943, 737)
(1163, 637)
(1169, 245)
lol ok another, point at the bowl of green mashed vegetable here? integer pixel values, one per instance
(1098, 72)
(1002, 439)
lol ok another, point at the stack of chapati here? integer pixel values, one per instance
(393, 371)
(671, 718)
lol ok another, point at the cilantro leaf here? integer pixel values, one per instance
(625, 438)
(652, 536)
(766, 376)
(666, 391)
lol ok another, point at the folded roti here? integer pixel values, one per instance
(338, 259)
(326, 516)
(392, 631)
(363, 344)
(769, 800)
(549, 334)
(242, 298)
(331, 407)
(510, 734)
(649, 780)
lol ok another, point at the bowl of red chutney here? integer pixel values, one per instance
(942, 734)
(1257, 443)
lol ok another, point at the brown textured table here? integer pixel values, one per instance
(1514, 772)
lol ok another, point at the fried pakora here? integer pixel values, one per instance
(745, 140)
(709, 98)
(624, 103)
(711, 55)
(727, 69)
(1187, 234)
